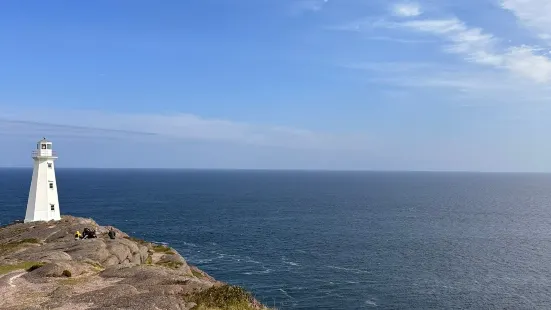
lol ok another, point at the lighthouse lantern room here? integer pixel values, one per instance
(43, 203)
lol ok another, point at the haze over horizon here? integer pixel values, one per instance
(279, 84)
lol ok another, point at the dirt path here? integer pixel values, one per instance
(8, 280)
(12, 278)
(12, 288)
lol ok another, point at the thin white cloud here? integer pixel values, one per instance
(406, 9)
(397, 40)
(471, 42)
(461, 83)
(534, 14)
(389, 67)
(524, 61)
(303, 6)
(176, 126)
(478, 46)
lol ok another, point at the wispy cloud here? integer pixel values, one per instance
(177, 126)
(483, 48)
(474, 44)
(302, 6)
(398, 40)
(408, 9)
(459, 83)
(389, 67)
(534, 14)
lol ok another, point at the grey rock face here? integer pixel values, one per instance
(102, 273)
(59, 269)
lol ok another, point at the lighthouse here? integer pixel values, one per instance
(43, 203)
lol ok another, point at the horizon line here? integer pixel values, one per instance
(287, 170)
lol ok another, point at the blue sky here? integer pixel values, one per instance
(278, 84)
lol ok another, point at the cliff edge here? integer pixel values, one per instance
(42, 266)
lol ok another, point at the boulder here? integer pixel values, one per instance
(94, 249)
(175, 261)
(44, 256)
(60, 269)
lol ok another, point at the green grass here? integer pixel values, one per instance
(28, 266)
(97, 266)
(149, 260)
(158, 248)
(6, 248)
(29, 240)
(225, 297)
(35, 266)
(162, 249)
(197, 274)
(137, 240)
(172, 265)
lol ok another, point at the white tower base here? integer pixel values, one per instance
(43, 203)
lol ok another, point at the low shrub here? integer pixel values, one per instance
(225, 297)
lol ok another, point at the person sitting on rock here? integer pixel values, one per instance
(89, 233)
(86, 233)
(112, 233)
(78, 235)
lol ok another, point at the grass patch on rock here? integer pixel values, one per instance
(15, 245)
(137, 240)
(197, 274)
(29, 240)
(35, 266)
(172, 265)
(149, 260)
(28, 266)
(225, 297)
(159, 248)
(97, 266)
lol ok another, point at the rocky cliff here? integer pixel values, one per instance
(42, 266)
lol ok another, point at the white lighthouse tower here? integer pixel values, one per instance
(43, 204)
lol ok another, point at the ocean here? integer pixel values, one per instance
(332, 240)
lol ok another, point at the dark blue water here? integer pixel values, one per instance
(332, 240)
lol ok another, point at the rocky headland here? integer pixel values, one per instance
(42, 266)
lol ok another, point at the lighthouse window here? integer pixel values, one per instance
(52, 207)
(49, 146)
(51, 185)
(49, 165)
(43, 146)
